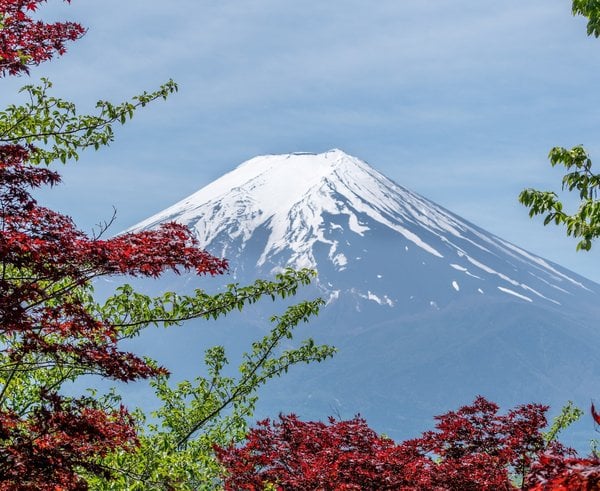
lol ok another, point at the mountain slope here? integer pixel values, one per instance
(428, 310)
(335, 213)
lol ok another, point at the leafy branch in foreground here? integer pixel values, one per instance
(130, 311)
(584, 224)
(176, 449)
(471, 449)
(568, 415)
(49, 335)
(55, 128)
(52, 331)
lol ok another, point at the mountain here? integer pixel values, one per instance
(427, 309)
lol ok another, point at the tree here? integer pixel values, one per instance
(25, 42)
(292, 454)
(176, 449)
(51, 329)
(591, 10)
(49, 336)
(551, 471)
(585, 222)
(559, 473)
(474, 448)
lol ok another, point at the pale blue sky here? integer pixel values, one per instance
(459, 101)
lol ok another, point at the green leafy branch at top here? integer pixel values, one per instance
(591, 10)
(585, 222)
(53, 130)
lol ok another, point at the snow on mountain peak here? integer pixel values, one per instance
(301, 203)
(289, 193)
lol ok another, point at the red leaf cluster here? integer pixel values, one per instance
(341, 455)
(557, 473)
(45, 323)
(48, 258)
(595, 415)
(474, 448)
(25, 41)
(57, 437)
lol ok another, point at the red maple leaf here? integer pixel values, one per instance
(595, 415)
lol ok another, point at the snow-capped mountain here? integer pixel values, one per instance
(335, 213)
(427, 309)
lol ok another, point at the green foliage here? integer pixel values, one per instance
(131, 311)
(176, 442)
(591, 10)
(568, 415)
(585, 222)
(176, 446)
(595, 447)
(56, 129)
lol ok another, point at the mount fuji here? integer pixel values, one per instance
(427, 310)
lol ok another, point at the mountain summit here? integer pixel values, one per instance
(335, 213)
(427, 309)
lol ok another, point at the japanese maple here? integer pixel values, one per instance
(474, 448)
(45, 324)
(48, 333)
(343, 455)
(25, 41)
(52, 331)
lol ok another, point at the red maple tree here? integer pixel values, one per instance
(474, 448)
(25, 42)
(293, 454)
(557, 473)
(45, 321)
